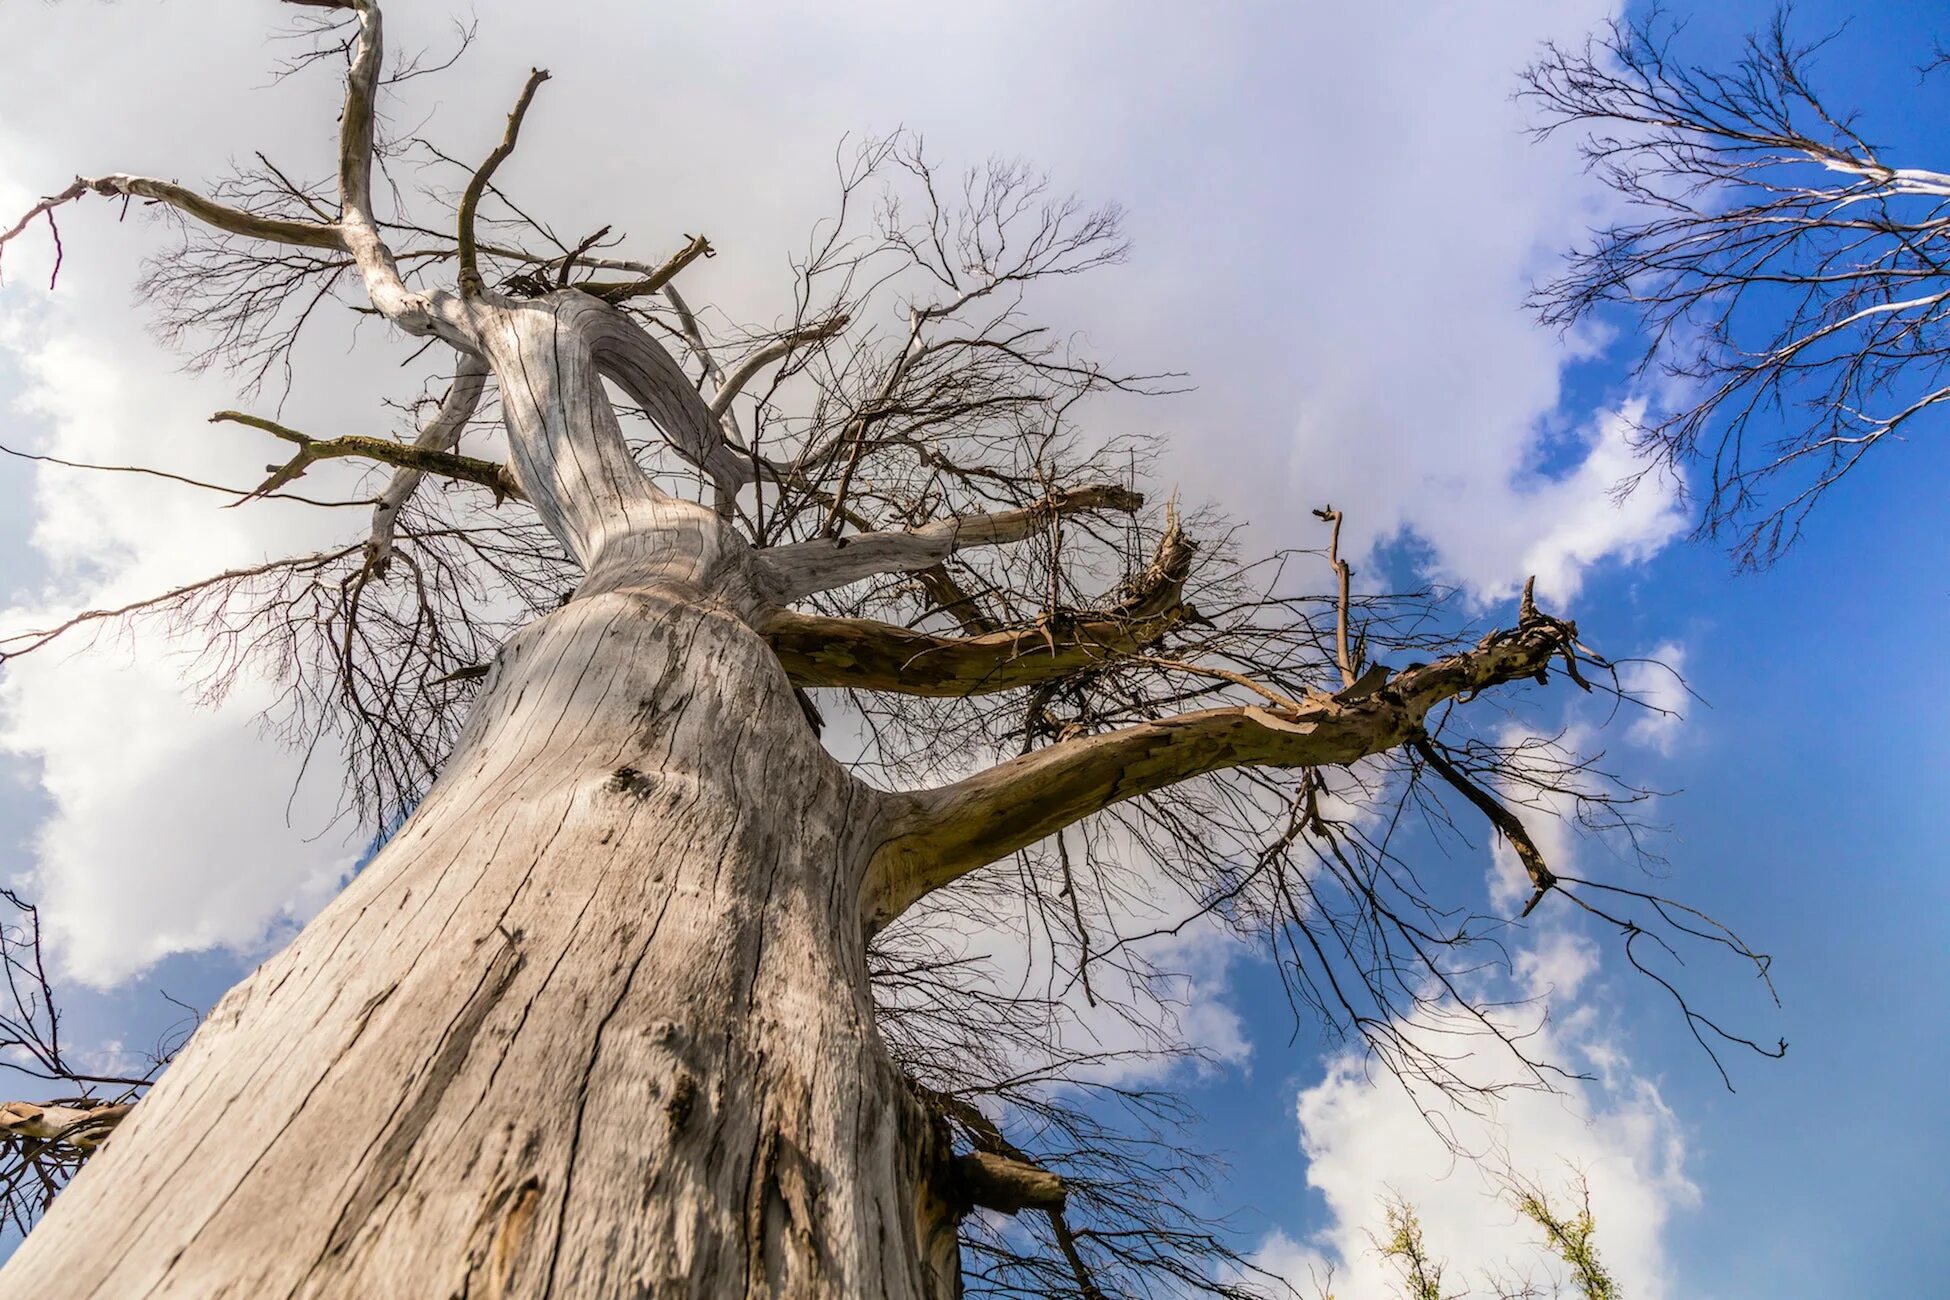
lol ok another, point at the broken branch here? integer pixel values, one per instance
(616, 291)
(1505, 821)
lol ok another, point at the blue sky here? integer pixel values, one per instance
(1335, 218)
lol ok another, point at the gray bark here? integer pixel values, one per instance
(596, 1021)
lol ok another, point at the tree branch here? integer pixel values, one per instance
(440, 435)
(83, 1127)
(1010, 1177)
(183, 479)
(358, 225)
(1343, 576)
(1007, 1185)
(218, 216)
(616, 291)
(469, 275)
(800, 569)
(950, 599)
(863, 654)
(489, 474)
(356, 232)
(1505, 821)
(747, 369)
(625, 353)
(937, 836)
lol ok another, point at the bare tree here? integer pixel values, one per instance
(1790, 279)
(649, 993)
(43, 1143)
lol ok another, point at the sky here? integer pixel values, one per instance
(1335, 214)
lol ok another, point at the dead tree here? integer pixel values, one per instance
(43, 1143)
(1790, 277)
(648, 992)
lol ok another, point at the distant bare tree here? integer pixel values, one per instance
(1789, 277)
(649, 993)
(43, 1143)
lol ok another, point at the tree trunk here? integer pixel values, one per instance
(595, 1023)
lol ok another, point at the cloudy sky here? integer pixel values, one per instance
(1336, 215)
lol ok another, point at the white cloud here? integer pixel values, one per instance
(1366, 1141)
(1307, 1270)
(1559, 528)
(173, 828)
(168, 834)
(1416, 213)
(1657, 681)
(1556, 966)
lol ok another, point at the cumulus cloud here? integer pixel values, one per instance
(1556, 966)
(1657, 681)
(173, 828)
(1559, 528)
(1370, 1139)
(1366, 1143)
(167, 834)
(1423, 398)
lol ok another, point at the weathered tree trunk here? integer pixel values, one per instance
(596, 1022)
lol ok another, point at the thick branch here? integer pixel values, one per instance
(358, 225)
(868, 655)
(940, 835)
(1016, 1170)
(627, 356)
(802, 568)
(489, 474)
(864, 654)
(997, 1182)
(218, 216)
(83, 1127)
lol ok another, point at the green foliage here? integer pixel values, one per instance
(1571, 1238)
(1405, 1247)
(1569, 1235)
